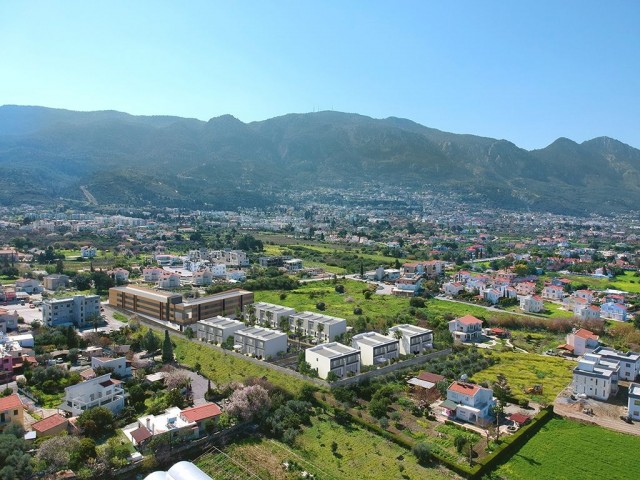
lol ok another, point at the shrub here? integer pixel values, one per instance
(321, 306)
(340, 288)
(422, 452)
(357, 311)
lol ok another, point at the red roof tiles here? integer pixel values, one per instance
(48, 423)
(464, 388)
(202, 412)
(11, 402)
(469, 320)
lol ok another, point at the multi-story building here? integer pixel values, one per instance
(582, 341)
(28, 285)
(88, 252)
(169, 281)
(333, 357)
(119, 275)
(614, 311)
(11, 411)
(414, 339)
(79, 310)
(633, 401)
(629, 361)
(553, 292)
(294, 265)
(260, 342)
(217, 329)
(120, 366)
(152, 274)
(102, 391)
(8, 321)
(269, 314)
(171, 306)
(375, 349)
(466, 329)
(469, 402)
(276, 261)
(596, 377)
(231, 258)
(55, 281)
(202, 277)
(323, 328)
(531, 303)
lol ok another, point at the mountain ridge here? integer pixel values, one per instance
(224, 162)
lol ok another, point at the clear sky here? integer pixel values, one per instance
(528, 71)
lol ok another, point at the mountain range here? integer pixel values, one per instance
(46, 154)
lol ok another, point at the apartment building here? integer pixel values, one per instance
(55, 281)
(629, 361)
(260, 342)
(269, 314)
(79, 310)
(596, 377)
(171, 306)
(217, 329)
(333, 357)
(323, 328)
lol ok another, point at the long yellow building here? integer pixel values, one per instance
(171, 306)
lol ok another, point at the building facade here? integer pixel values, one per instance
(375, 349)
(218, 329)
(322, 328)
(102, 391)
(260, 342)
(79, 310)
(333, 357)
(414, 340)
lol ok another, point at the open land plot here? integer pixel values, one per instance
(337, 304)
(360, 454)
(566, 450)
(222, 368)
(627, 282)
(524, 370)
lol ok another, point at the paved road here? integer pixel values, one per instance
(490, 309)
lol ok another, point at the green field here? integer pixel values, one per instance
(222, 368)
(360, 455)
(309, 294)
(525, 370)
(568, 450)
(627, 282)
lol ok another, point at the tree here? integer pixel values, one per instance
(189, 333)
(422, 452)
(319, 330)
(96, 421)
(15, 462)
(299, 322)
(249, 402)
(101, 281)
(284, 323)
(82, 281)
(502, 392)
(150, 342)
(55, 453)
(59, 266)
(167, 348)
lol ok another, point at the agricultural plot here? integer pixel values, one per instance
(565, 450)
(525, 370)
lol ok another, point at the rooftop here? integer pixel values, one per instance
(586, 334)
(49, 423)
(464, 388)
(218, 296)
(373, 339)
(221, 322)
(469, 320)
(333, 350)
(202, 412)
(147, 292)
(11, 402)
(409, 330)
(318, 318)
(261, 333)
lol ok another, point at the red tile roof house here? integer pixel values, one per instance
(583, 341)
(200, 415)
(466, 329)
(49, 426)
(468, 402)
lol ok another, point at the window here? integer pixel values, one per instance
(15, 412)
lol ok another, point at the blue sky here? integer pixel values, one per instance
(525, 71)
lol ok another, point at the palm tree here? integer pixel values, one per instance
(319, 330)
(397, 334)
(298, 332)
(269, 317)
(284, 323)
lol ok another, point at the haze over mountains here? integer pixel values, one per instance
(225, 163)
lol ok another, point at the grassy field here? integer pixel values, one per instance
(360, 455)
(524, 370)
(536, 342)
(222, 368)
(309, 294)
(568, 450)
(627, 282)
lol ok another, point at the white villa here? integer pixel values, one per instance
(102, 391)
(469, 402)
(633, 402)
(375, 349)
(414, 339)
(466, 329)
(531, 303)
(596, 377)
(333, 357)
